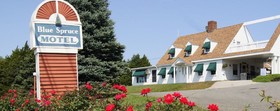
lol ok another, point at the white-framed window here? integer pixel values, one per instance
(141, 79)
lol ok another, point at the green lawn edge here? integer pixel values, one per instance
(267, 78)
(171, 87)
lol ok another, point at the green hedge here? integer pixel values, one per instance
(267, 78)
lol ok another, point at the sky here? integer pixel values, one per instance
(149, 26)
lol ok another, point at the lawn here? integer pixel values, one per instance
(139, 102)
(267, 78)
(171, 87)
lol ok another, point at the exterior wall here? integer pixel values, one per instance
(242, 37)
(206, 75)
(276, 61)
(148, 76)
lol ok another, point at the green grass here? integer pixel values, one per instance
(138, 102)
(171, 87)
(267, 78)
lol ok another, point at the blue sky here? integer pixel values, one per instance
(149, 26)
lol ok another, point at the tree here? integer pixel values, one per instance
(101, 58)
(136, 61)
(17, 69)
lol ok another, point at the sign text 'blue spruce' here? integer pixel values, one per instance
(50, 35)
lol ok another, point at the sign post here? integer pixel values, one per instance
(56, 36)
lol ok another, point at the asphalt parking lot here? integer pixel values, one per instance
(231, 97)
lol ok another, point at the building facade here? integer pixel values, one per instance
(227, 53)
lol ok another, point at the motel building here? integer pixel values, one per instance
(228, 53)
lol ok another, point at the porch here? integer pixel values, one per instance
(247, 68)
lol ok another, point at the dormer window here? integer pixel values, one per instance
(188, 50)
(206, 47)
(171, 53)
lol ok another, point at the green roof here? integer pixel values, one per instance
(212, 67)
(188, 48)
(138, 73)
(162, 71)
(199, 68)
(171, 71)
(206, 45)
(171, 51)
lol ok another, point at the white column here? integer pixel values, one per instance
(187, 73)
(38, 84)
(174, 72)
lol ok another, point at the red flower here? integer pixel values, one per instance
(159, 100)
(26, 101)
(15, 91)
(104, 84)
(37, 100)
(130, 108)
(88, 86)
(191, 104)
(123, 89)
(145, 91)
(53, 92)
(118, 97)
(177, 94)
(47, 102)
(149, 105)
(15, 95)
(12, 101)
(17, 110)
(110, 107)
(116, 86)
(184, 100)
(213, 107)
(168, 99)
(10, 91)
(31, 92)
(123, 95)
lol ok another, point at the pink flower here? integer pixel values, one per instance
(88, 86)
(168, 99)
(15, 91)
(177, 94)
(15, 95)
(213, 107)
(118, 97)
(130, 108)
(31, 92)
(191, 104)
(184, 100)
(159, 100)
(12, 101)
(149, 105)
(110, 107)
(53, 92)
(116, 86)
(17, 110)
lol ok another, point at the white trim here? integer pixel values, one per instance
(38, 83)
(246, 55)
(148, 67)
(77, 71)
(262, 20)
(55, 50)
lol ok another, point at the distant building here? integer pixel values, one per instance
(227, 53)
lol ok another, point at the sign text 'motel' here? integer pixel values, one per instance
(54, 36)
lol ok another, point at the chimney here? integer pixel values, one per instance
(212, 25)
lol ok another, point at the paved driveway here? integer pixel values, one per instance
(230, 97)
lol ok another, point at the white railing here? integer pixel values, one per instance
(246, 47)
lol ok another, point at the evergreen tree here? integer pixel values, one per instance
(101, 57)
(136, 61)
(16, 70)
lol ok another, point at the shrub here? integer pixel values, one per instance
(267, 78)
